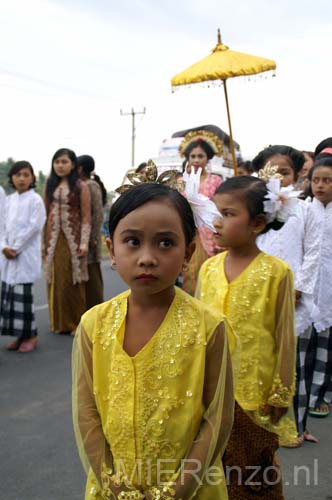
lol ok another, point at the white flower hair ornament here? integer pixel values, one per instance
(204, 210)
(280, 202)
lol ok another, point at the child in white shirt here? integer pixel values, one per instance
(320, 177)
(297, 244)
(20, 247)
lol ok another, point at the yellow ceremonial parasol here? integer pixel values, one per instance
(222, 64)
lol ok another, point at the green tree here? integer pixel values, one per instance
(5, 166)
(40, 182)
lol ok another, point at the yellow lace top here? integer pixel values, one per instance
(259, 304)
(137, 418)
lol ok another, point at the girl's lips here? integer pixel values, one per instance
(146, 277)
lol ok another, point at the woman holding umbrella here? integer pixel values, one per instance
(198, 147)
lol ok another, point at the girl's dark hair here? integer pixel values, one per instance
(296, 157)
(253, 191)
(201, 144)
(246, 165)
(326, 143)
(88, 165)
(142, 194)
(54, 180)
(17, 167)
(140, 167)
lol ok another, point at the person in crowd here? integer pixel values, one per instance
(2, 209)
(255, 292)
(24, 217)
(67, 235)
(198, 148)
(98, 195)
(320, 177)
(288, 160)
(326, 145)
(152, 379)
(297, 244)
(244, 168)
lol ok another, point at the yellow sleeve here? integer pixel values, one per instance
(283, 386)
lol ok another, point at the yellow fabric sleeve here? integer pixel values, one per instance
(283, 385)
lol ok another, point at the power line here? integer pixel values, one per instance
(50, 84)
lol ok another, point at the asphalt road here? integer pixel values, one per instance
(38, 457)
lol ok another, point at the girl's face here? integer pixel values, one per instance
(63, 166)
(197, 159)
(235, 228)
(306, 165)
(285, 168)
(241, 171)
(149, 247)
(321, 184)
(22, 180)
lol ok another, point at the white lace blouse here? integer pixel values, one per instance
(297, 244)
(322, 314)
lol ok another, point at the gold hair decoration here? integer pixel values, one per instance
(204, 135)
(150, 176)
(269, 172)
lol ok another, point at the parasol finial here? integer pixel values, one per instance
(219, 36)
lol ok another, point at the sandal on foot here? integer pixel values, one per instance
(28, 346)
(320, 411)
(309, 437)
(14, 345)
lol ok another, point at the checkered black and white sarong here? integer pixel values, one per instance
(321, 386)
(17, 313)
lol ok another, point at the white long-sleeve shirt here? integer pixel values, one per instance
(2, 209)
(322, 315)
(297, 243)
(24, 218)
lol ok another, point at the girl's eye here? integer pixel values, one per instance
(227, 214)
(166, 243)
(132, 242)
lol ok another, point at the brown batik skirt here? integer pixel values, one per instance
(251, 467)
(67, 302)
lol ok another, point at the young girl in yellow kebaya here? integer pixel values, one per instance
(255, 292)
(152, 380)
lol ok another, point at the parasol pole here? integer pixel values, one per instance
(230, 130)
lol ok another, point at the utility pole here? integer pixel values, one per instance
(133, 113)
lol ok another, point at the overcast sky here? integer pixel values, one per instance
(68, 67)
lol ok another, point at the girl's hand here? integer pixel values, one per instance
(275, 412)
(82, 252)
(9, 253)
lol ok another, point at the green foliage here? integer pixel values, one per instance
(40, 183)
(5, 166)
